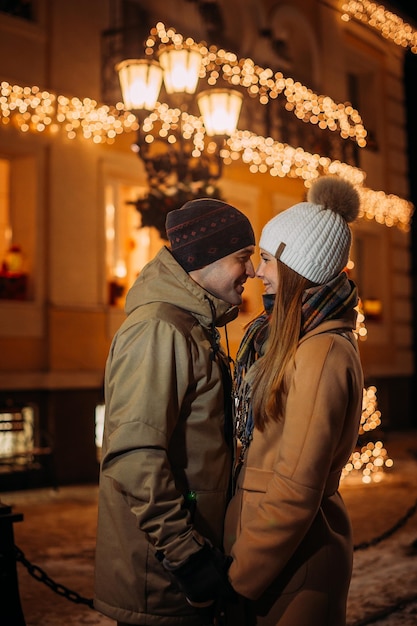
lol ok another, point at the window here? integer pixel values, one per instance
(13, 270)
(361, 94)
(128, 246)
(16, 433)
(365, 69)
(5, 228)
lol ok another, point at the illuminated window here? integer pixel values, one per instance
(365, 91)
(5, 228)
(128, 246)
(370, 271)
(16, 434)
(13, 267)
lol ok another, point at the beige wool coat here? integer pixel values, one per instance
(287, 528)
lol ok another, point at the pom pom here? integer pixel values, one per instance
(335, 194)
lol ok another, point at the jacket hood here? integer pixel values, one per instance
(164, 280)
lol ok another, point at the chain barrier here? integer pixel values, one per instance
(388, 533)
(401, 604)
(39, 574)
(383, 613)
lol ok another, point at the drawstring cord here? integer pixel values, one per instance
(225, 362)
(214, 335)
(230, 361)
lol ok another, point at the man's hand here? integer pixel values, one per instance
(203, 577)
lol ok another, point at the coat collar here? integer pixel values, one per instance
(164, 280)
(345, 324)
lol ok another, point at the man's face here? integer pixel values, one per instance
(225, 278)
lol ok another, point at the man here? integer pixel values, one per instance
(166, 457)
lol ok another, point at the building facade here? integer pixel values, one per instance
(71, 240)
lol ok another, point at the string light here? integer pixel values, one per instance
(370, 460)
(388, 24)
(385, 209)
(263, 154)
(371, 416)
(33, 110)
(360, 332)
(264, 84)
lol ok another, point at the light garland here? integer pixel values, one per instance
(264, 84)
(370, 460)
(386, 209)
(388, 24)
(263, 154)
(32, 110)
(360, 332)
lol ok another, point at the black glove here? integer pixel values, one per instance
(203, 577)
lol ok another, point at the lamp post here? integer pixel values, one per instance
(181, 153)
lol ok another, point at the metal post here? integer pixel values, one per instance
(11, 609)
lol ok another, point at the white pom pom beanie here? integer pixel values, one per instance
(311, 239)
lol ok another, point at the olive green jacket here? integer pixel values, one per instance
(166, 463)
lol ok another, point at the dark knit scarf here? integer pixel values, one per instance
(250, 349)
(322, 302)
(327, 302)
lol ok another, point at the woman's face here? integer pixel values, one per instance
(267, 271)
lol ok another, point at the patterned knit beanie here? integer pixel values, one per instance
(313, 238)
(205, 230)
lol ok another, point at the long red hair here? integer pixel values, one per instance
(284, 334)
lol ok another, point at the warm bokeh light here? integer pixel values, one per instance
(264, 84)
(371, 459)
(31, 109)
(386, 209)
(388, 24)
(34, 110)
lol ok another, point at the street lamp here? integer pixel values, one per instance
(181, 153)
(140, 81)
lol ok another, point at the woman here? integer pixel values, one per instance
(287, 528)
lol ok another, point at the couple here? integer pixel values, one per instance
(180, 542)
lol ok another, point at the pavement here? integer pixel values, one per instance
(56, 540)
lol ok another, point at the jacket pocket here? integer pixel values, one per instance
(251, 485)
(254, 479)
(254, 484)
